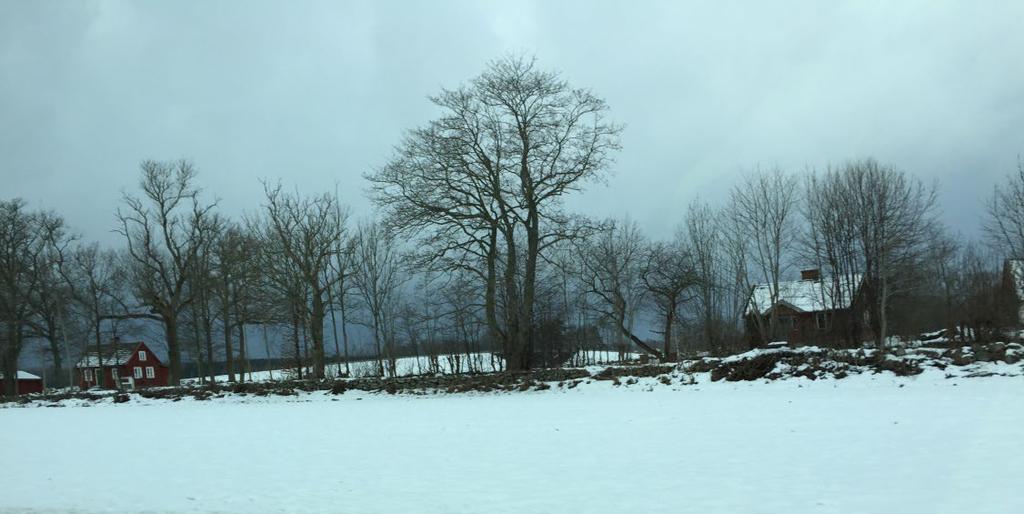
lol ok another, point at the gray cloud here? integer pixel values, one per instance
(318, 93)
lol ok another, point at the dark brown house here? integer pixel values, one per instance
(812, 310)
(121, 365)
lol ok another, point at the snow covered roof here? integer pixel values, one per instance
(806, 295)
(112, 355)
(23, 375)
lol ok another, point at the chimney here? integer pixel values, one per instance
(810, 274)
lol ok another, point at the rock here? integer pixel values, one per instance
(339, 387)
(962, 356)
(1013, 354)
(981, 353)
(997, 351)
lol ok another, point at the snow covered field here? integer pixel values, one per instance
(871, 443)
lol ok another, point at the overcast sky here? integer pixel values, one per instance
(318, 93)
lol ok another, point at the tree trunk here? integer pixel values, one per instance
(316, 328)
(883, 320)
(529, 288)
(669, 319)
(55, 350)
(344, 336)
(334, 332)
(376, 342)
(243, 356)
(639, 342)
(9, 361)
(173, 349)
(515, 343)
(197, 338)
(208, 339)
(298, 349)
(490, 292)
(228, 353)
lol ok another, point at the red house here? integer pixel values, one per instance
(121, 366)
(27, 383)
(812, 310)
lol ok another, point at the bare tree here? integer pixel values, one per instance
(942, 266)
(486, 179)
(377, 279)
(283, 300)
(830, 242)
(308, 231)
(165, 229)
(96, 281)
(1004, 223)
(22, 248)
(668, 275)
(204, 284)
(980, 308)
(613, 267)
(887, 215)
(51, 300)
(720, 273)
(235, 283)
(342, 267)
(763, 214)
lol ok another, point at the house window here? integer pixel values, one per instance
(149, 372)
(138, 372)
(821, 320)
(113, 373)
(88, 375)
(142, 355)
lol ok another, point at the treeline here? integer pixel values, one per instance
(472, 251)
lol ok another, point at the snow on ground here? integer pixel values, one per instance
(867, 443)
(446, 364)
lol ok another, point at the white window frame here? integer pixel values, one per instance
(142, 355)
(88, 375)
(113, 373)
(150, 372)
(137, 372)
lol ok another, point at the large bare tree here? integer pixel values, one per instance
(23, 248)
(164, 228)
(485, 181)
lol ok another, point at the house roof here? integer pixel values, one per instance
(109, 355)
(23, 375)
(806, 295)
